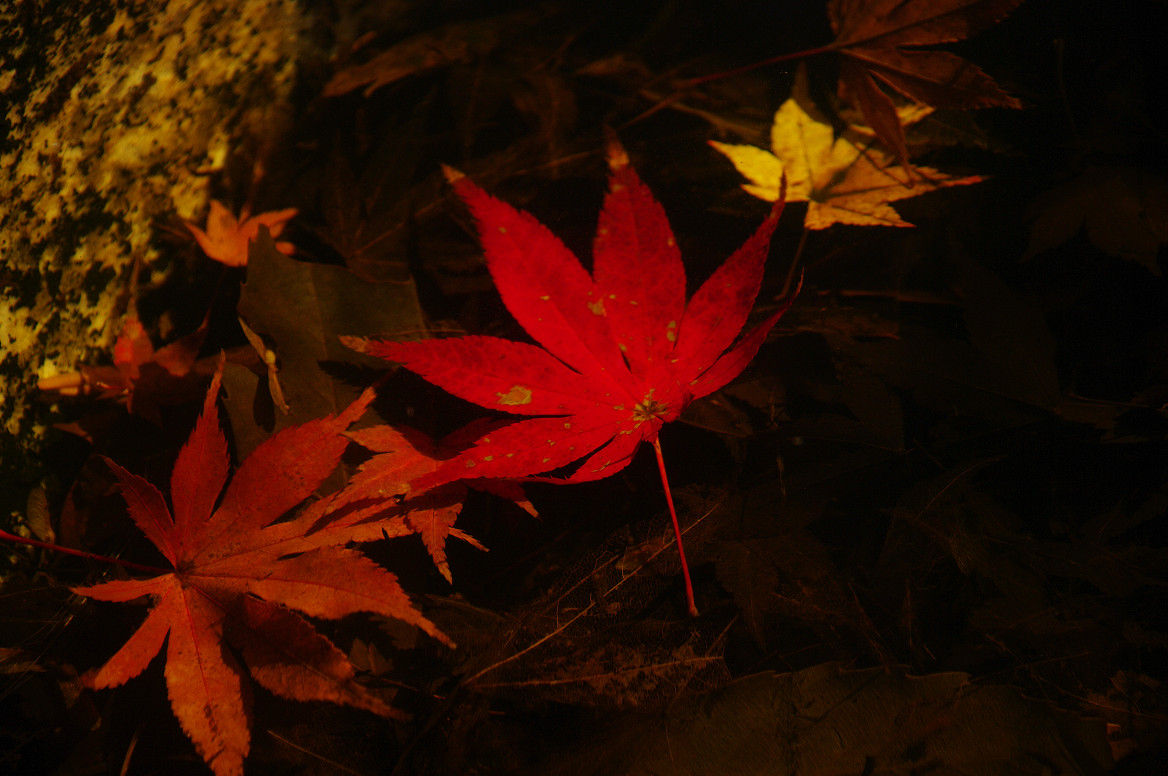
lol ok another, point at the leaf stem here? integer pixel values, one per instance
(794, 264)
(81, 553)
(689, 596)
(755, 65)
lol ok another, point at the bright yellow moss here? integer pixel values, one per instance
(118, 120)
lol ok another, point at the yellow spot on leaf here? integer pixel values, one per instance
(597, 307)
(516, 397)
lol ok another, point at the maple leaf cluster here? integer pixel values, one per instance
(846, 179)
(850, 179)
(620, 354)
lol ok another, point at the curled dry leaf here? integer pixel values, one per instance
(268, 356)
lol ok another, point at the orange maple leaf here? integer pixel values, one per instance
(227, 237)
(238, 574)
(401, 456)
(872, 36)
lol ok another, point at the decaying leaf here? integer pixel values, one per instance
(791, 575)
(879, 39)
(458, 42)
(597, 638)
(828, 720)
(844, 180)
(142, 376)
(237, 577)
(1123, 209)
(300, 307)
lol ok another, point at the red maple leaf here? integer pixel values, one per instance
(622, 352)
(237, 577)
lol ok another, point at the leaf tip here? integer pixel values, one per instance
(618, 158)
(359, 344)
(453, 176)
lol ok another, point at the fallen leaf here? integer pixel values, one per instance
(268, 356)
(596, 637)
(453, 43)
(403, 455)
(1124, 211)
(132, 348)
(872, 38)
(300, 307)
(827, 720)
(844, 180)
(226, 238)
(622, 352)
(369, 201)
(238, 574)
(774, 581)
(142, 377)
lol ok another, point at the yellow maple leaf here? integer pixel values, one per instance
(845, 180)
(227, 237)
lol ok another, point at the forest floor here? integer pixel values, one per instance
(927, 526)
